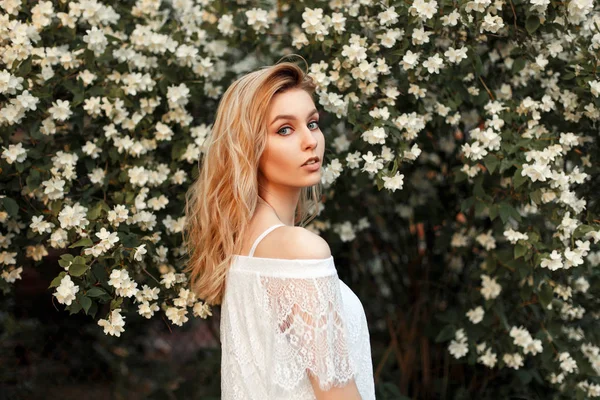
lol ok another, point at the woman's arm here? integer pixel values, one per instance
(347, 392)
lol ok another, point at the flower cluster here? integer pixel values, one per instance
(101, 134)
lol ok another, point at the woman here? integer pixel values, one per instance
(290, 329)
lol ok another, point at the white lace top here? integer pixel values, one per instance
(281, 318)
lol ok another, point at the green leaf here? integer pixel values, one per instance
(56, 281)
(116, 303)
(582, 230)
(491, 162)
(536, 196)
(520, 250)
(505, 211)
(518, 179)
(518, 64)
(546, 293)
(78, 269)
(445, 334)
(86, 302)
(96, 292)
(94, 212)
(24, 68)
(499, 310)
(86, 241)
(493, 211)
(449, 316)
(532, 23)
(11, 206)
(480, 207)
(524, 376)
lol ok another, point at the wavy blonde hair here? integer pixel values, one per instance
(221, 202)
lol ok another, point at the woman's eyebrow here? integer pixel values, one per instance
(291, 116)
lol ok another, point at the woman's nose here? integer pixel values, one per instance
(310, 139)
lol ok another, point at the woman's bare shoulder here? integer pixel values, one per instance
(293, 242)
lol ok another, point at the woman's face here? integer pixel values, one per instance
(293, 136)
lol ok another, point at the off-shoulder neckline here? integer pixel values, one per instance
(284, 259)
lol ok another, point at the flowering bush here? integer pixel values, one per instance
(105, 109)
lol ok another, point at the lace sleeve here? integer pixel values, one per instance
(306, 318)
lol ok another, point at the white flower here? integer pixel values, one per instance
(476, 314)
(514, 236)
(488, 359)
(87, 77)
(567, 364)
(487, 240)
(139, 252)
(419, 36)
(422, 9)
(107, 239)
(521, 336)
(491, 23)
(474, 151)
(514, 361)
(96, 40)
(413, 153)
(65, 292)
(177, 315)
(450, 19)
(147, 310)
(12, 275)
(8, 258)
(534, 347)
(201, 310)
(313, 21)
(115, 323)
(226, 26)
(394, 182)
(163, 132)
(15, 152)
(91, 149)
(59, 239)
(257, 19)
(554, 262)
(433, 64)
(97, 176)
(168, 279)
(459, 240)
(456, 55)
(60, 110)
(73, 216)
(117, 277)
(39, 226)
(581, 285)
(372, 163)
(409, 60)
(388, 17)
(458, 348)
(595, 87)
(176, 96)
(338, 22)
(490, 288)
(36, 252)
(376, 135)
(355, 53)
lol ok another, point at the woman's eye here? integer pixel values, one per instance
(280, 131)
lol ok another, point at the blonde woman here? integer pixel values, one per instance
(290, 328)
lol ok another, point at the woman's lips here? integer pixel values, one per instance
(313, 167)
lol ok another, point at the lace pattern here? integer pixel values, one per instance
(282, 320)
(309, 331)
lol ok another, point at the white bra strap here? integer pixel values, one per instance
(262, 235)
